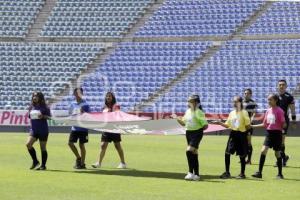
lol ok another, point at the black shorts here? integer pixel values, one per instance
(111, 137)
(237, 143)
(285, 130)
(42, 136)
(250, 131)
(82, 136)
(273, 139)
(194, 138)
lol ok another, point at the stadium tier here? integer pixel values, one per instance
(198, 18)
(17, 16)
(85, 18)
(39, 66)
(237, 66)
(280, 18)
(136, 70)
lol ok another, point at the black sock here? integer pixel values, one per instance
(33, 154)
(196, 164)
(227, 162)
(250, 149)
(279, 165)
(283, 152)
(261, 162)
(243, 164)
(189, 157)
(44, 158)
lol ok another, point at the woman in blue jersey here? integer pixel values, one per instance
(38, 114)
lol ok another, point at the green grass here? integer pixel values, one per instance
(157, 167)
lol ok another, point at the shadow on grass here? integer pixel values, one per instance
(142, 174)
(292, 167)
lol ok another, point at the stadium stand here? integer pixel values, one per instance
(85, 18)
(281, 18)
(138, 69)
(198, 18)
(238, 65)
(39, 66)
(17, 16)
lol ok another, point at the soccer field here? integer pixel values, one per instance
(157, 165)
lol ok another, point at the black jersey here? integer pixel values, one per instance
(285, 100)
(250, 106)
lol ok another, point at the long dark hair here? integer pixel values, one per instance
(113, 101)
(240, 100)
(41, 101)
(196, 98)
(276, 98)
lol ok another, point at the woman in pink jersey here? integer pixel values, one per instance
(110, 106)
(274, 122)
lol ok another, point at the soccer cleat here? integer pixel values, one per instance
(41, 168)
(81, 166)
(189, 176)
(77, 163)
(196, 178)
(249, 162)
(34, 164)
(285, 160)
(225, 175)
(96, 165)
(241, 176)
(279, 176)
(257, 175)
(122, 166)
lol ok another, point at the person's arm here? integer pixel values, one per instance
(45, 114)
(257, 125)
(293, 112)
(225, 125)
(180, 120)
(202, 120)
(247, 119)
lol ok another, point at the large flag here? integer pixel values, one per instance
(124, 123)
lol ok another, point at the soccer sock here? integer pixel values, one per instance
(283, 151)
(243, 164)
(190, 160)
(33, 154)
(44, 158)
(227, 162)
(261, 162)
(196, 164)
(279, 165)
(250, 150)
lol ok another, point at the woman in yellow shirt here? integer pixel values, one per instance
(239, 122)
(194, 121)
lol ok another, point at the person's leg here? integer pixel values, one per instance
(243, 164)
(196, 162)
(283, 156)
(103, 148)
(83, 153)
(120, 151)
(44, 153)
(227, 163)
(279, 162)
(74, 150)
(262, 159)
(29, 144)
(250, 148)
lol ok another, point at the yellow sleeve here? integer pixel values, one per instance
(246, 118)
(228, 120)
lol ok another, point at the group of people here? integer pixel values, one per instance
(240, 122)
(39, 113)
